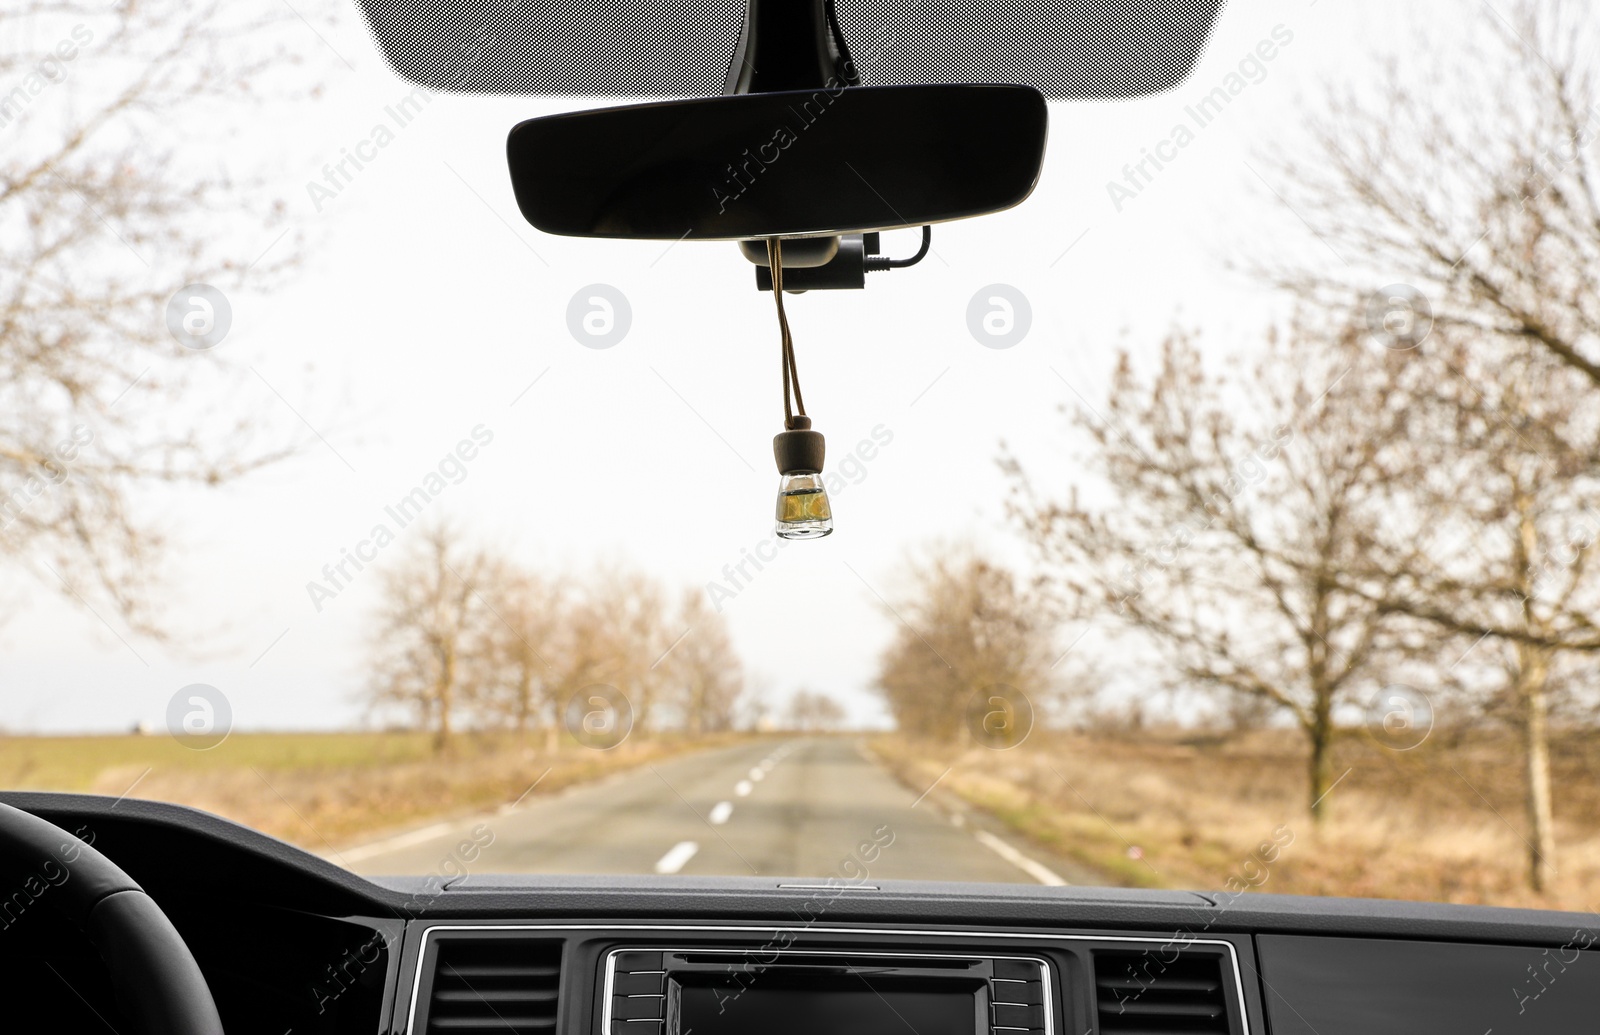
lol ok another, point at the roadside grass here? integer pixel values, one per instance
(82, 763)
(1442, 822)
(324, 790)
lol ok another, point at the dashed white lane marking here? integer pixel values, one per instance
(415, 837)
(1037, 870)
(758, 773)
(720, 812)
(743, 787)
(676, 856)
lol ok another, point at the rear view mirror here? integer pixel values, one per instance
(834, 160)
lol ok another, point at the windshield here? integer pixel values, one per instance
(1220, 517)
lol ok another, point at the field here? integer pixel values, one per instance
(1166, 809)
(1441, 822)
(318, 790)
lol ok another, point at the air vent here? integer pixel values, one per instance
(1150, 993)
(508, 986)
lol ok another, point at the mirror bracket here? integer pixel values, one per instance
(785, 45)
(798, 252)
(856, 256)
(845, 270)
(790, 45)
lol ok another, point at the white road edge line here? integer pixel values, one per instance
(720, 812)
(390, 844)
(676, 856)
(1037, 870)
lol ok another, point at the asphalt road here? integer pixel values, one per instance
(803, 808)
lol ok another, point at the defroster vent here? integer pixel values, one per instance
(488, 983)
(1160, 993)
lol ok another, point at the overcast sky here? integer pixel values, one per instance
(429, 309)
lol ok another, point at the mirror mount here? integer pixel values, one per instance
(790, 45)
(849, 261)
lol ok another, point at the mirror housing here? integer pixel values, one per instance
(839, 159)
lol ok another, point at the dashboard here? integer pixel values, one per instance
(290, 943)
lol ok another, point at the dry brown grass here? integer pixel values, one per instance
(1440, 822)
(319, 790)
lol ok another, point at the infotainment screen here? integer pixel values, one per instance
(717, 991)
(852, 1007)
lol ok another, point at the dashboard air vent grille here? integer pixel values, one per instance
(1149, 993)
(508, 986)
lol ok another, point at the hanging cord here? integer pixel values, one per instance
(791, 376)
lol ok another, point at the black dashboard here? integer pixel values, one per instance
(290, 943)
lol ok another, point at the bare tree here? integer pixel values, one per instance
(1471, 176)
(105, 211)
(618, 633)
(1234, 505)
(1506, 467)
(968, 631)
(704, 668)
(523, 674)
(465, 635)
(1467, 171)
(810, 711)
(756, 707)
(434, 632)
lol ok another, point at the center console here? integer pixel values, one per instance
(814, 979)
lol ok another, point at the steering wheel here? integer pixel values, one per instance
(157, 982)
